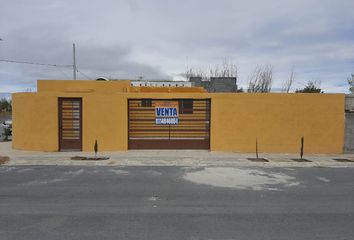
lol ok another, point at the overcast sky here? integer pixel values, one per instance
(158, 39)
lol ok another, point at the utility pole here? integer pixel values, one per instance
(74, 62)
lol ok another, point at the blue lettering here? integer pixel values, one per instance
(166, 112)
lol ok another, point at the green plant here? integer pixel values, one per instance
(7, 133)
(256, 148)
(5, 105)
(302, 148)
(311, 87)
(351, 84)
(95, 148)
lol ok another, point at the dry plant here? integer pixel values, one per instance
(289, 82)
(261, 80)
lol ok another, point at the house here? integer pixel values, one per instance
(69, 115)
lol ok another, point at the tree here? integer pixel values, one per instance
(311, 87)
(288, 82)
(261, 80)
(351, 84)
(227, 69)
(5, 105)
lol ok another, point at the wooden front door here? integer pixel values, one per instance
(70, 124)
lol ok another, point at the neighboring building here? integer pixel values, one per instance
(349, 124)
(216, 84)
(70, 115)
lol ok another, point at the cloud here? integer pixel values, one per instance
(158, 38)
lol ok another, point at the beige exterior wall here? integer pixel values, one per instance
(35, 118)
(83, 86)
(277, 120)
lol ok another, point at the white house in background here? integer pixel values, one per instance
(152, 83)
(146, 83)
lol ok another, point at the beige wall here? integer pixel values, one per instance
(105, 119)
(277, 120)
(83, 86)
(35, 122)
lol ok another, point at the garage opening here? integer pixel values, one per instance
(169, 123)
(70, 124)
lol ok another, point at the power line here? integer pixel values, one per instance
(61, 71)
(35, 63)
(83, 74)
(57, 66)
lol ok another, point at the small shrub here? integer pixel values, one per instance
(302, 148)
(95, 148)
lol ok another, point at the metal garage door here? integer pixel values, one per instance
(70, 124)
(190, 131)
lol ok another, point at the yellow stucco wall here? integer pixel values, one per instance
(35, 121)
(105, 119)
(277, 120)
(35, 124)
(83, 86)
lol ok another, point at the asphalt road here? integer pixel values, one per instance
(63, 202)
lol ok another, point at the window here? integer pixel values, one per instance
(186, 106)
(146, 103)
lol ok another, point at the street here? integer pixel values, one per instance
(168, 202)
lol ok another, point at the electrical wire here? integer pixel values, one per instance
(57, 66)
(84, 74)
(34, 63)
(61, 71)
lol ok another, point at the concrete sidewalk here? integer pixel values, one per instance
(170, 158)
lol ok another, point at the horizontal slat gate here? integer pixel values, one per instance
(70, 124)
(191, 132)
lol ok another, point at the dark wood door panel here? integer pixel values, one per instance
(169, 144)
(70, 124)
(191, 132)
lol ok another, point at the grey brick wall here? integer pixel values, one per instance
(349, 132)
(349, 124)
(220, 84)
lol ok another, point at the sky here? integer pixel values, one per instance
(160, 39)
